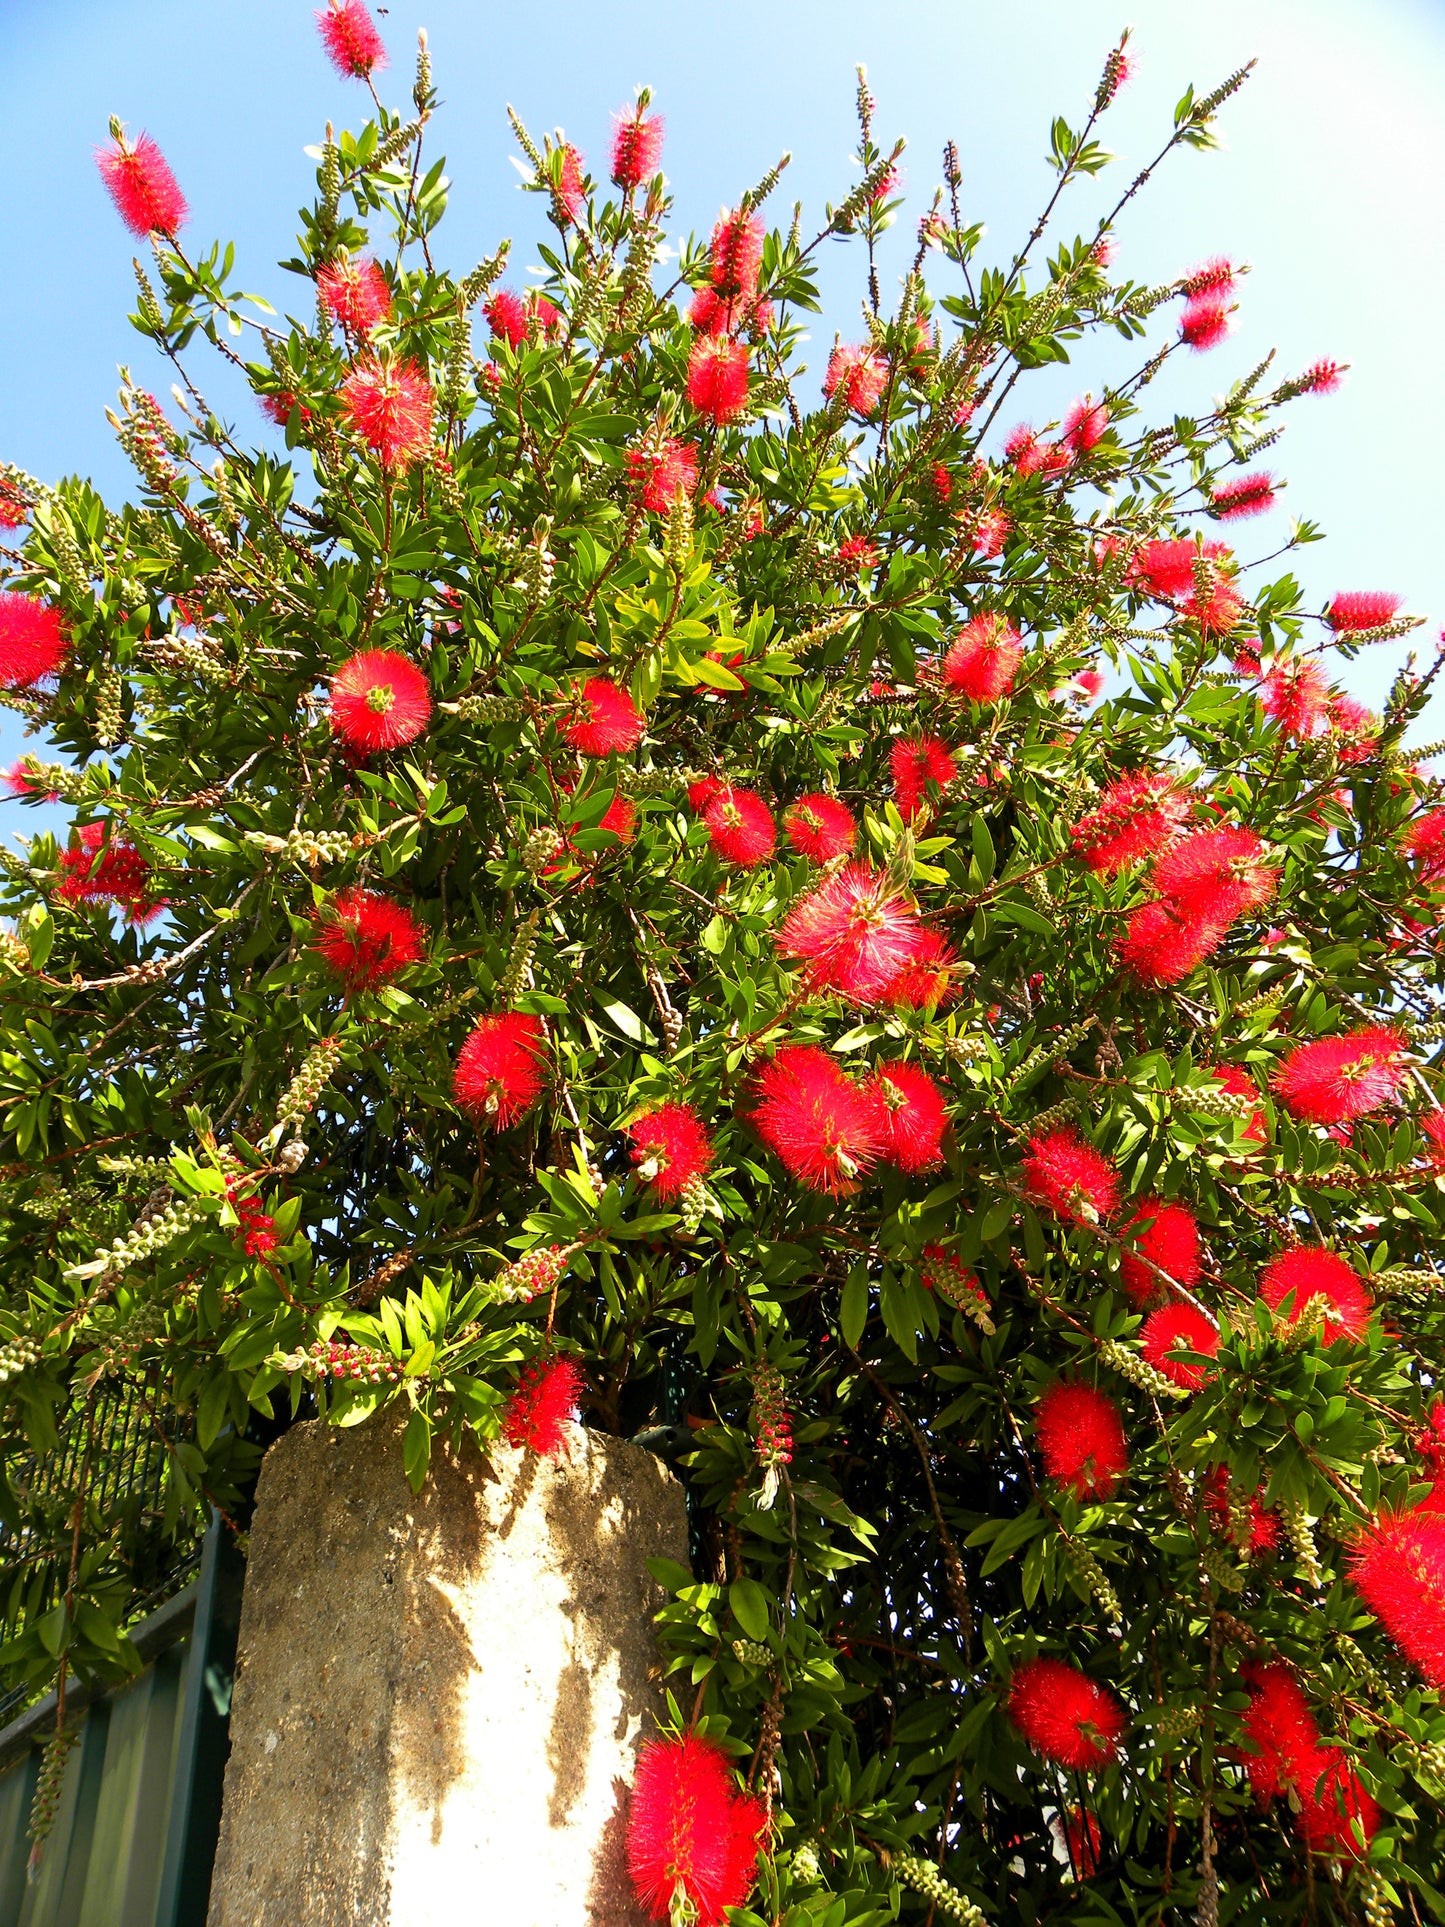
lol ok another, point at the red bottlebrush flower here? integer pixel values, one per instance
(389, 405)
(940, 484)
(1064, 1715)
(737, 254)
(1163, 943)
(1215, 278)
(917, 762)
(854, 932)
(356, 293)
(499, 1070)
(19, 782)
(1284, 1742)
(278, 407)
(379, 700)
(701, 793)
(258, 1232)
(1136, 816)
(717, 377)
(1359, 609)
(820, 828)
(1297, 696)
(620, 817)
(1433, 1127)
(636, 147)
(741, 827)
(1204, 323)
(353, 45)
(1167, 1236)
(1337, 1816)
(1312, 1272)
(14, 509)
(543, 314)
(1321, 378)
(987, 530)
(711, 313)
(1085, 425)
(1240, 1084)
(1398, 1569)
(1263, 1525)
(506, 314)
(917, 1117)
(1216, 874)
(690, 1832)
(1104, 250)
(604, 719)
(926, 980)
(1076, 1182)
(1178, 1327)
(1081, 1440)
(32, 639)
(545, 1400)
(1336, 1079)
(670, 1147)
(1216, 608)
(1242, 495)
(1083, 1842)
(367, 939)
(142, 187)
(1359, 726)
(826, 1130)
(1425, 840)
(856, 552)
(983, 659)
(860, 373)
(661, 472)
(94, 871)
(568, 189)
(1165, 569)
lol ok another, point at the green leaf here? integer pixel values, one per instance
(853, 1312)
(750, 1606)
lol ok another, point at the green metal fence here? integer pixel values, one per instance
(135, 1832)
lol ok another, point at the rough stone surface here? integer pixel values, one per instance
(439, 1698)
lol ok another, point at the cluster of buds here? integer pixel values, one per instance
(694, 1200)
(1402, 1281)
(49, 1781)
(109, 709)
(17, 1355)
(1091, 1575)
(772, 1429)
(1138, 1370)
(359, 1364)
(47, 1201)
(489, 708)
(1052, 1051)
(538, 564)
(948, 1279)
(307, 846)
(58, 779)
(120, 1349)
(196, 656)
(806, 1867)
(132, 1167)
(292, 1156)
(13, 952)
(1222, 1570)
(519, 961)
(1376, 1896)
(540, 850)
(654, 782)
(751, 1652)
(152, 1232)
(306, 1087)
(1302, 1538)
(1421, 1756)
(1177, 1722)
(147, 438)
(924, 1878)
(532, 1274)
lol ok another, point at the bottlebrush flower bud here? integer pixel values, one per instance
(302, 1093)
(924, 1878)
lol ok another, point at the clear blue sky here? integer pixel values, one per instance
(1330, 184)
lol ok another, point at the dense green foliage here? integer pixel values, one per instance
(855, 1616)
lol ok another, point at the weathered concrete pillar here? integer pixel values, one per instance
(439, 1698)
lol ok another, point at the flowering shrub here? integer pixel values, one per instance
(794, 918)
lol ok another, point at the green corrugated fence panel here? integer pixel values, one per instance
(135, 1827)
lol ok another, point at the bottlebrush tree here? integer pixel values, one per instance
(860, 943)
